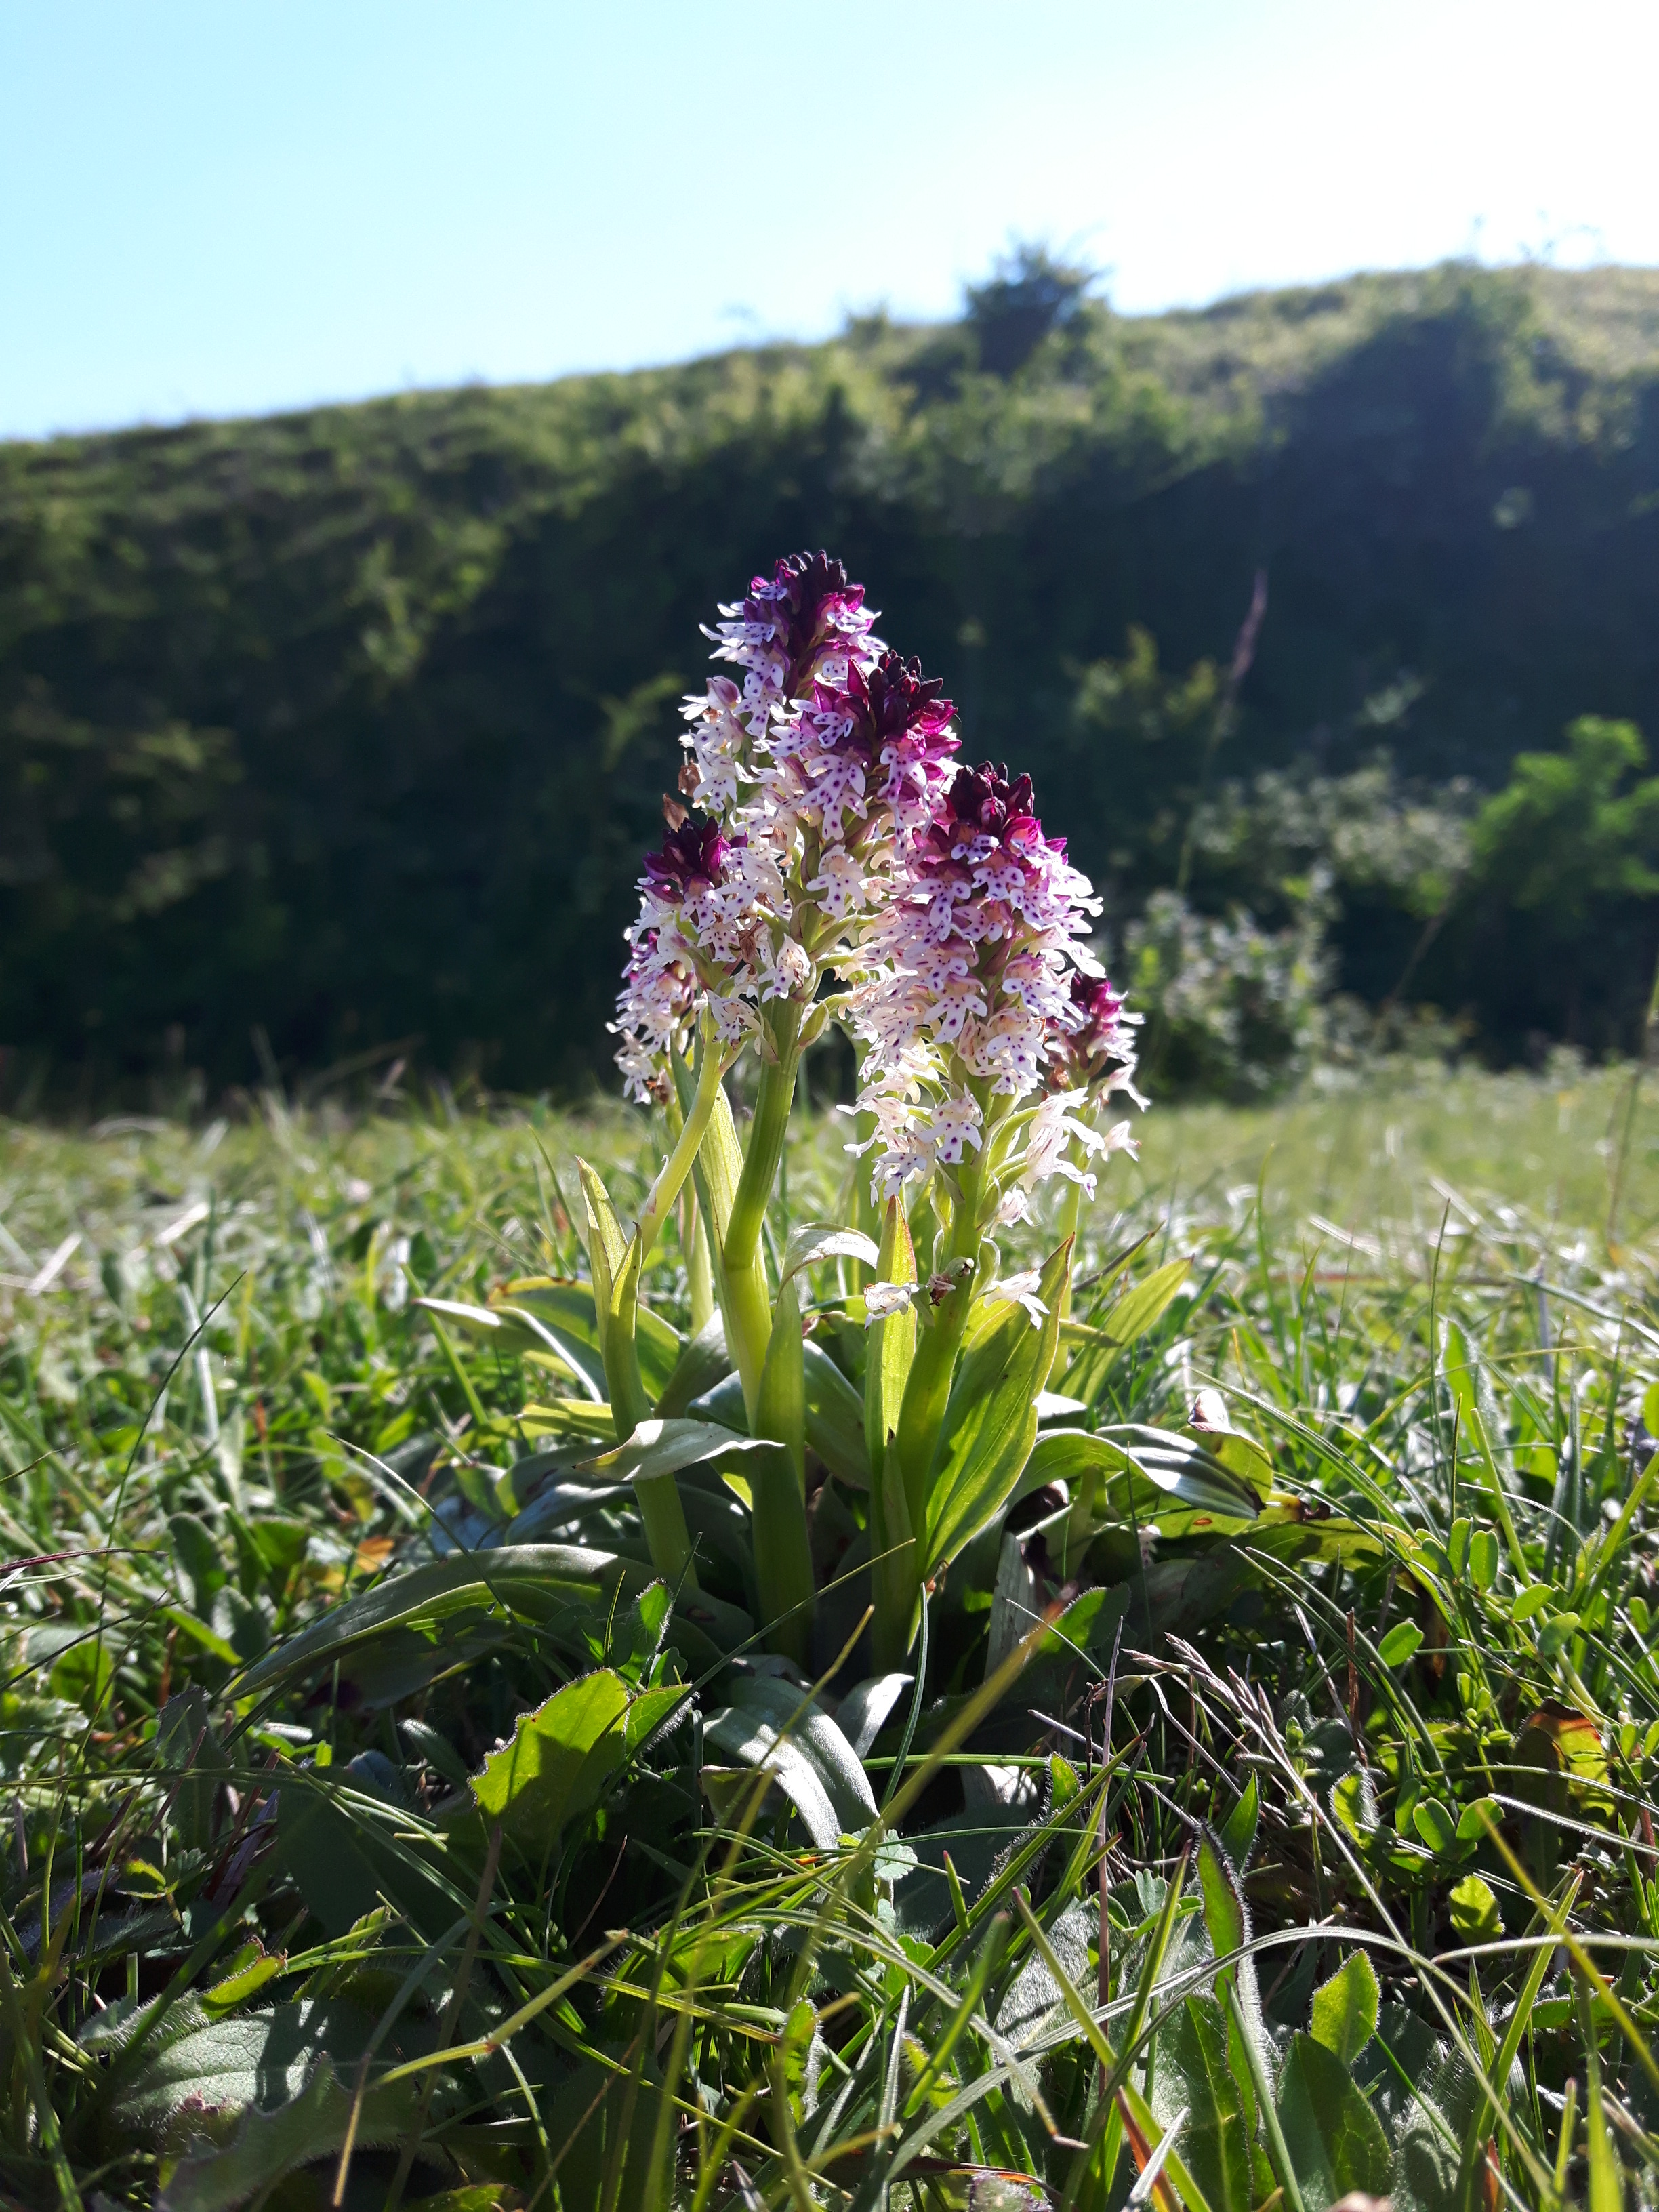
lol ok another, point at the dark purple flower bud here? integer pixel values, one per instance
(1101, 1005)
(692, 860)
(896, 699)
(803, 601)
(983, 800)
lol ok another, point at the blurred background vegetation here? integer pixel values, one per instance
(1323, 620)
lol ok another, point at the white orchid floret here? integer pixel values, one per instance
(734, 1018)
(843, 882)
(1020, 1290)
(957, 1122)
(787, 972)
(883, 1300)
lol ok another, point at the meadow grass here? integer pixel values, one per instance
(1359, 1795)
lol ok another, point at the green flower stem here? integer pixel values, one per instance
(767, 1135)
(748, 1308)
(666, 1536)
(927, 1393)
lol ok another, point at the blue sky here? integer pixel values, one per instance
(216, 209)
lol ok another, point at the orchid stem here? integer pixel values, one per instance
(766, 1136)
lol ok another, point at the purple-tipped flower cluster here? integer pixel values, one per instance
(812, 773)
(836, 832)
(986, 992)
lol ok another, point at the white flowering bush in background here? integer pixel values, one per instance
(1235, 1011)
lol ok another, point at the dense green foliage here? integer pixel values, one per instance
(421, 1909)
(349, 725)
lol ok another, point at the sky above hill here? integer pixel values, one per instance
(217, 209)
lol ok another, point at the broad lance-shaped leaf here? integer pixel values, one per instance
(616, 1267)
(1139, 1308)
(835, 1417)
(276, 2061)
(566, 1307)
(561, 1755)
(1225, 1916)
(719, 1165)
(783, 1547)
(993, 1438)
(1346, 2009)
(1335, 2141)
(703, 1361)
(815, 1242)
(506, 1329)
(1238, 1830)
(659, 1448)
(894, 1572)
(1196, 2074)
(1144, 1471)
(271, 2143)
(536, 1579)
(891, 1343)
(1227, 1923)
(863, 1711)
(769, 1722)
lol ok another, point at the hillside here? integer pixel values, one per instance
(349, 724)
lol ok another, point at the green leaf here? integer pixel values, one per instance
(535, 1579)
(1225, 1915)
(615, 1262)
(1148, 1473)
(771, 1723)
(269, 2144)
(835, 1417)
(1344, 2008)
(891, 1343)
(196, 1552)
(658, 1448)
(186, 1747)
(1238, 1830)
(1483, 1559)
(719, 1165)
(1400, 1643)
(1437, 1823)
(1334, 2140)
(702, 1362)
(1140, 1309)
(1530, 1601)
(1471, 1821)
(231, 1993)
(1195, 2070)
(985, 1454)
(814, 1241)
(559, 1760)
(566, 1311)
(1474, 1913)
